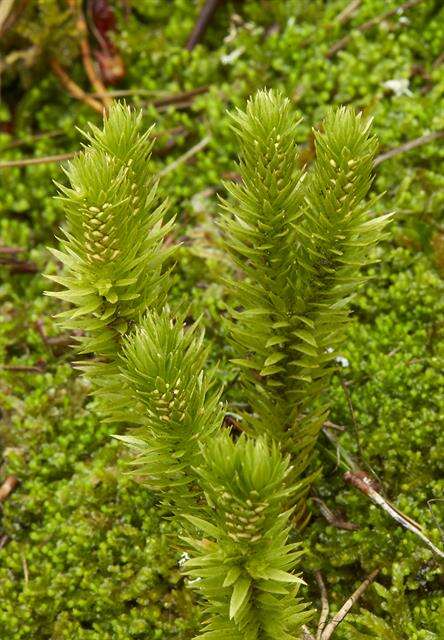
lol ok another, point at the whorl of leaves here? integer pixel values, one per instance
(112, 247)
(245, 563)
(299, 241)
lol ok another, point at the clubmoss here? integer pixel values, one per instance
(67, 468)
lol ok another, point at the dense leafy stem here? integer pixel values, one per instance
(112, 248)
(244, 564)
(168, 394)
(299, 240)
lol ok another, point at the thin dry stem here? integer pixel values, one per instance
(306, 635)
(339, 617)
(364, 483)
(25, 569)
(348, 11)
(23, 368)
(85, 50)
(73, 88)
(408, 146)
(26, 162)
(8, 487)
(186, 156)
(332, 518)
(325, 607)
(205, 16)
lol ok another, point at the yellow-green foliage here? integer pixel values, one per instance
(166, 391)
(244, 565)
(301, 248)
(112, 246)
(300, 240)
(115, 578)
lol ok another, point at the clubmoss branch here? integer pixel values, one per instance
(299, 241)
(112, 248)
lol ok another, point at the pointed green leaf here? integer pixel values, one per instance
(231, 577)
(239, 595)
(204, 526)
(274, 358)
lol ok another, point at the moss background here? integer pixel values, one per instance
(84, 551)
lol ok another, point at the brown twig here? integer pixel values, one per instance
(207, 12)
(182, 97)
(345, 385)
(10, 251)
(353, 416)
(5, 10)
(231, 422)
(325, 607)
(101, 38)
(332, 425)
(61, 341)
(365, 484)
(122, 93)
(171, 143)
(232, 176)
(41, 330)
(338, 618)
(23, 368)
(174, 131)
(61, 157)
(8, 487)
(85, 51)
(25, 569)
(365, 26)
(186, 104)
(332, 518)
(4, 540)
(306, 635)
(348, 11)
(17, 266)
(439, 60)
(9, 14)
(26, 162)
(73, 88)
(408, 146)
(23, 266)
(32, 139)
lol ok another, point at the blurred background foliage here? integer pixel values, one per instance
(84, 553)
